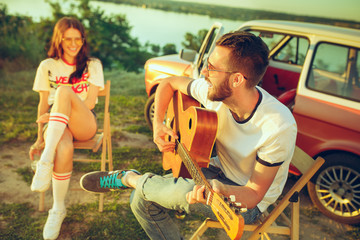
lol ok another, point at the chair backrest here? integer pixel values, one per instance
(105, 93)
(301, 160)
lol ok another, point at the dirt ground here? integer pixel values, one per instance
(313, 225)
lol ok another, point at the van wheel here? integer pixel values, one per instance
(335, 189)
(149, 110)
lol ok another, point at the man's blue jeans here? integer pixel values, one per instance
(155, 195)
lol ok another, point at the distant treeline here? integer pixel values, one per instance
(232, 13)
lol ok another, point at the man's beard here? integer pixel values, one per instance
(220, 93)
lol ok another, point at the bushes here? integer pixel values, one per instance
(19, 46)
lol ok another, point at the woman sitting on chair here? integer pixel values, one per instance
(68, 82)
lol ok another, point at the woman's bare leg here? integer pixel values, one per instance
(68, 110)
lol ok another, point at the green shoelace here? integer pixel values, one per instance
(109, 181)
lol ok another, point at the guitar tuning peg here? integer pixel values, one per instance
(237, 204)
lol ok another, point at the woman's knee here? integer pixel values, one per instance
(63, 92)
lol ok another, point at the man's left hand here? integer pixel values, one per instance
(197, 195)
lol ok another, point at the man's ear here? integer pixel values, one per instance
(238, 80)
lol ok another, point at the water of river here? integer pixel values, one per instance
(148, 25)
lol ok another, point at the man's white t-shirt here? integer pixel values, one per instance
(269, 134)
(52, 73)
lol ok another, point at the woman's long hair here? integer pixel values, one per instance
(56, 51)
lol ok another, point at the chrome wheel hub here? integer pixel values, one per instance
(338, 189)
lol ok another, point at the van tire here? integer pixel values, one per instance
(335, 188)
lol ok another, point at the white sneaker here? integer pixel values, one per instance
(53, 224)
(42, 178)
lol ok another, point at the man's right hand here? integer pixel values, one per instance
(160, 133)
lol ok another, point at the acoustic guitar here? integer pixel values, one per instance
(196, 128)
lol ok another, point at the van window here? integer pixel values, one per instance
(293, 52)
(335, 71)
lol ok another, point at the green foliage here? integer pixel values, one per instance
(194, 41)
(169, 49)
(19, 46)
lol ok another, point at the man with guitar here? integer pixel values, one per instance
(255, 141)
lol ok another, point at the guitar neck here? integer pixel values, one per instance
(193, 168)
(231, 222)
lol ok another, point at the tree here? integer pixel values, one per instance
(19, 46)
(169, 49)
(194, 41)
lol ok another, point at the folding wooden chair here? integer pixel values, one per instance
(102, 138)
(308, 167)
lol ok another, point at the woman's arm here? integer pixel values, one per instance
(90, 101)
(43, 108)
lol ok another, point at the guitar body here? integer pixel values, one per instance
(196, 128)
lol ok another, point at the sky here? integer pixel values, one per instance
(338, 9)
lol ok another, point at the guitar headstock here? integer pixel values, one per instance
(237, 207)
(225, 211)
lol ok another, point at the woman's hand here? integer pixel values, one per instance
(43, 118)
(36, 149)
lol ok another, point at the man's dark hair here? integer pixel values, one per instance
(249, 55)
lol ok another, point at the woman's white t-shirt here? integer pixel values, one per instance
(52, 73)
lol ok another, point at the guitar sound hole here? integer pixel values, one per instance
(171, 124)
(179, 136)
(190, 123)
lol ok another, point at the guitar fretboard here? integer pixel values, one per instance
(193, 168)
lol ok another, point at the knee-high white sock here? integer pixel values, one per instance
(55, 129)
(60, 183)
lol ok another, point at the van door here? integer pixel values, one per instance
(207, 46)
